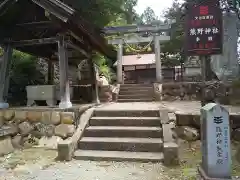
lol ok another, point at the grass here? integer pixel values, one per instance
(190, 160)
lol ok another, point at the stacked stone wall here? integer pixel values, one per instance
(22, 128)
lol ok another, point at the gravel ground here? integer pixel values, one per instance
(18, 166)
(86, 170)
(40, 164)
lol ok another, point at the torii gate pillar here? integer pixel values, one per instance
(137, 39)
(158, 61)
(119, 64)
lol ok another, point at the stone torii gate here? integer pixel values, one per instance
(158, 35)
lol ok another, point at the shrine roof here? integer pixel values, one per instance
(141, 59)
(38, 19)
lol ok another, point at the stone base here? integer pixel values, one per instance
(6, 146)
(203, 176)
(67, 147)
(171, 156)
(65, 105)
(4, 105)
(98, 102)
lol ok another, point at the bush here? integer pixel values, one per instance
(104, 68)
(23, 72)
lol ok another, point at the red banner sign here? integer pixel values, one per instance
(203, 29)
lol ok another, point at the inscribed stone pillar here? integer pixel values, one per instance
(4, 76)
(119, 64)
(215, 137)
(64, 81)
(158, 59)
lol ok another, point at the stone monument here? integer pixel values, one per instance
(226, 66)
(215, 137)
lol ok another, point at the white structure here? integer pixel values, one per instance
(215, 137)
(192, 66)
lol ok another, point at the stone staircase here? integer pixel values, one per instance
(136, 93)
(122, 135)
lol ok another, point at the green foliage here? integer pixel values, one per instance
(176, 44)
(102, 12)
(104, 67)
(148, 16)
(23, 72)
(170, 60)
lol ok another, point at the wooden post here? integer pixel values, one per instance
(96, 73)
(119, 63)
(4, 76)
(64, 81)
(158, 59)
(203, 68)
(50, 72)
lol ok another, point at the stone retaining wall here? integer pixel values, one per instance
(25, 127)
(190, 124)
(191, 91)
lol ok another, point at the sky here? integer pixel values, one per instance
(157, 5)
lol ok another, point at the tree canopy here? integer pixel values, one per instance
(175, 45)
(148, 16)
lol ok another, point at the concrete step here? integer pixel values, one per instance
(125, 113)
(123, 131)
(121, 144)
(118, 156)
(137, 100)
(125, 121)
(135, 96)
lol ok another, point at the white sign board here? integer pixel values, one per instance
(216, 160)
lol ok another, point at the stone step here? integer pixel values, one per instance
(136, 85)
(123, 131)
(125, 113)
(125, 121)
(137, 100)
(133, 91)
(121, 144)
(135, 88)
(136, 96)
(95, 155)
